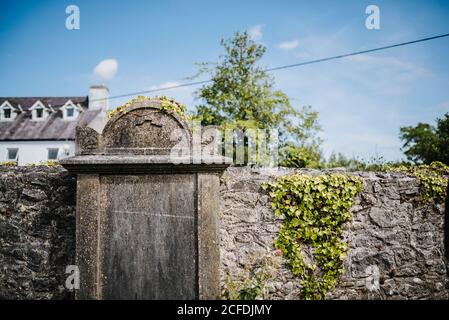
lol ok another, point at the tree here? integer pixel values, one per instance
(242, 95)
(425, 143)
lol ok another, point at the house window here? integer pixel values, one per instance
(7, 113)
(13, 154)
(53, 153)
(39, 113)
(70, 112)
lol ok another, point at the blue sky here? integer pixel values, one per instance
(362, 101)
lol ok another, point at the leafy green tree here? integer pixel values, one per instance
(425, 143)
(242, 95)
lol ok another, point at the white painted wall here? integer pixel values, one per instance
(35, 151)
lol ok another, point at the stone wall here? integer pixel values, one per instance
(37, 232)
(391, 231)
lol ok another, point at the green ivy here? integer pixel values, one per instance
(315, 209)
(433, 179)
(167, 104)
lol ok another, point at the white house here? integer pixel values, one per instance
(36, 129)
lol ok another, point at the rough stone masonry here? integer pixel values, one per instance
(391, 230)
(37, 232)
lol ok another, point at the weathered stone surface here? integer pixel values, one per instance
(87, 224)
(208, 236)
(149, 237)
(147, 224)
(37, 232)
(390, 230)
(382, 217)
(140, 129)
(87, 140)
(143, 129)
(37, 236)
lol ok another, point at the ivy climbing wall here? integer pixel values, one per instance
(395, 240)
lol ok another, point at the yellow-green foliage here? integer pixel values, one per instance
(433, 179)
(119, 109)
(8, 163)
(315, 209)
(47, 163)
(167, 104)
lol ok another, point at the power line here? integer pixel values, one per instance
(288, 66)
(356, 53)
(189, 84)
(160, 89)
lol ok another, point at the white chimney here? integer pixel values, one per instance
(98, 97)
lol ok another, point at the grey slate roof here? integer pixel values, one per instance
(53, 128)
(27, 102)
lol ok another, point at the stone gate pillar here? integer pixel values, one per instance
(146, 211)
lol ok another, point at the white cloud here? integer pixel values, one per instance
(288, 45)
(106, 69)
(255, 32)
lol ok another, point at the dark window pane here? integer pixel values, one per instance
(12, 153)
(7, 113)
(70, 112)
(39, 113)
(53, 153)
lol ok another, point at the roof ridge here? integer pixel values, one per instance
(42, 97)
